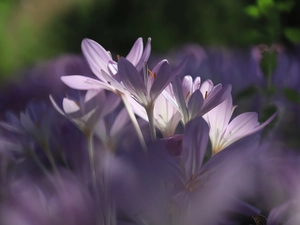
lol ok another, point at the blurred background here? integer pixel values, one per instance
(36, 30)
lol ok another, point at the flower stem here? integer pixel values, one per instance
(134, 121)
(150, 115)
(90, 145)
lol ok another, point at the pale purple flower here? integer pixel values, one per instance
(84, 114)
(224, 131)
(202, 191)
(194, 99)
(105, 68)
(34, 122)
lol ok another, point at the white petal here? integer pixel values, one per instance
(70, 106)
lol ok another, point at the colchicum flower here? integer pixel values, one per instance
(224, 132)
(105, 68)
(194, 99)
(147, 86)
(85, 113)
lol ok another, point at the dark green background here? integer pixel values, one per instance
(35, 30)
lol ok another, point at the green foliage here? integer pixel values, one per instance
(293, 34)
(268, 62)
(269, 14)
(268, 111)
(292, 95)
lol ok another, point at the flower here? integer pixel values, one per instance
(194, 99)
(84, 114)
(204, 190)
(105, 68)
(224, 132)
(146, 87)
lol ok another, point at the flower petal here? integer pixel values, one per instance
(187, 86)
(195, 104)
(136, 52)
(84, 83)
(196, 84)
(161, 81)
(215, 97)
(244, 125)
(145, 56)
(58, 109)
(131, 78)
(70, 106)
(96, 56)
(177, 88)
(195, 139)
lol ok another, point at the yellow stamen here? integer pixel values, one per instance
(118, 57)
(153, 75)
(187, 95)
(206, 94)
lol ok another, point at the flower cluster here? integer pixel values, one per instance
(137, 145)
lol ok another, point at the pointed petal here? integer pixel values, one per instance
(215, 97)
(195, 139)
(145, 56)
(177, 88)
(58, 109)
(70, 106)
(96, 56)
(84, 83)
(161, 81)
(195, 104)
(136, 52)
(27, 124)
(166, 79)
(218, 119)
(179, 68)
(10, 127)
(244, 125)
(131, 78)
(114, 84)
(112, 68)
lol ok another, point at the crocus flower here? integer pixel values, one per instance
(224, 132)
(105, 68)
(84, 114)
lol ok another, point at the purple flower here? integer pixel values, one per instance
(203, 190)
(84, 114)
(104, 67)
(224, 131)
(194, 99)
